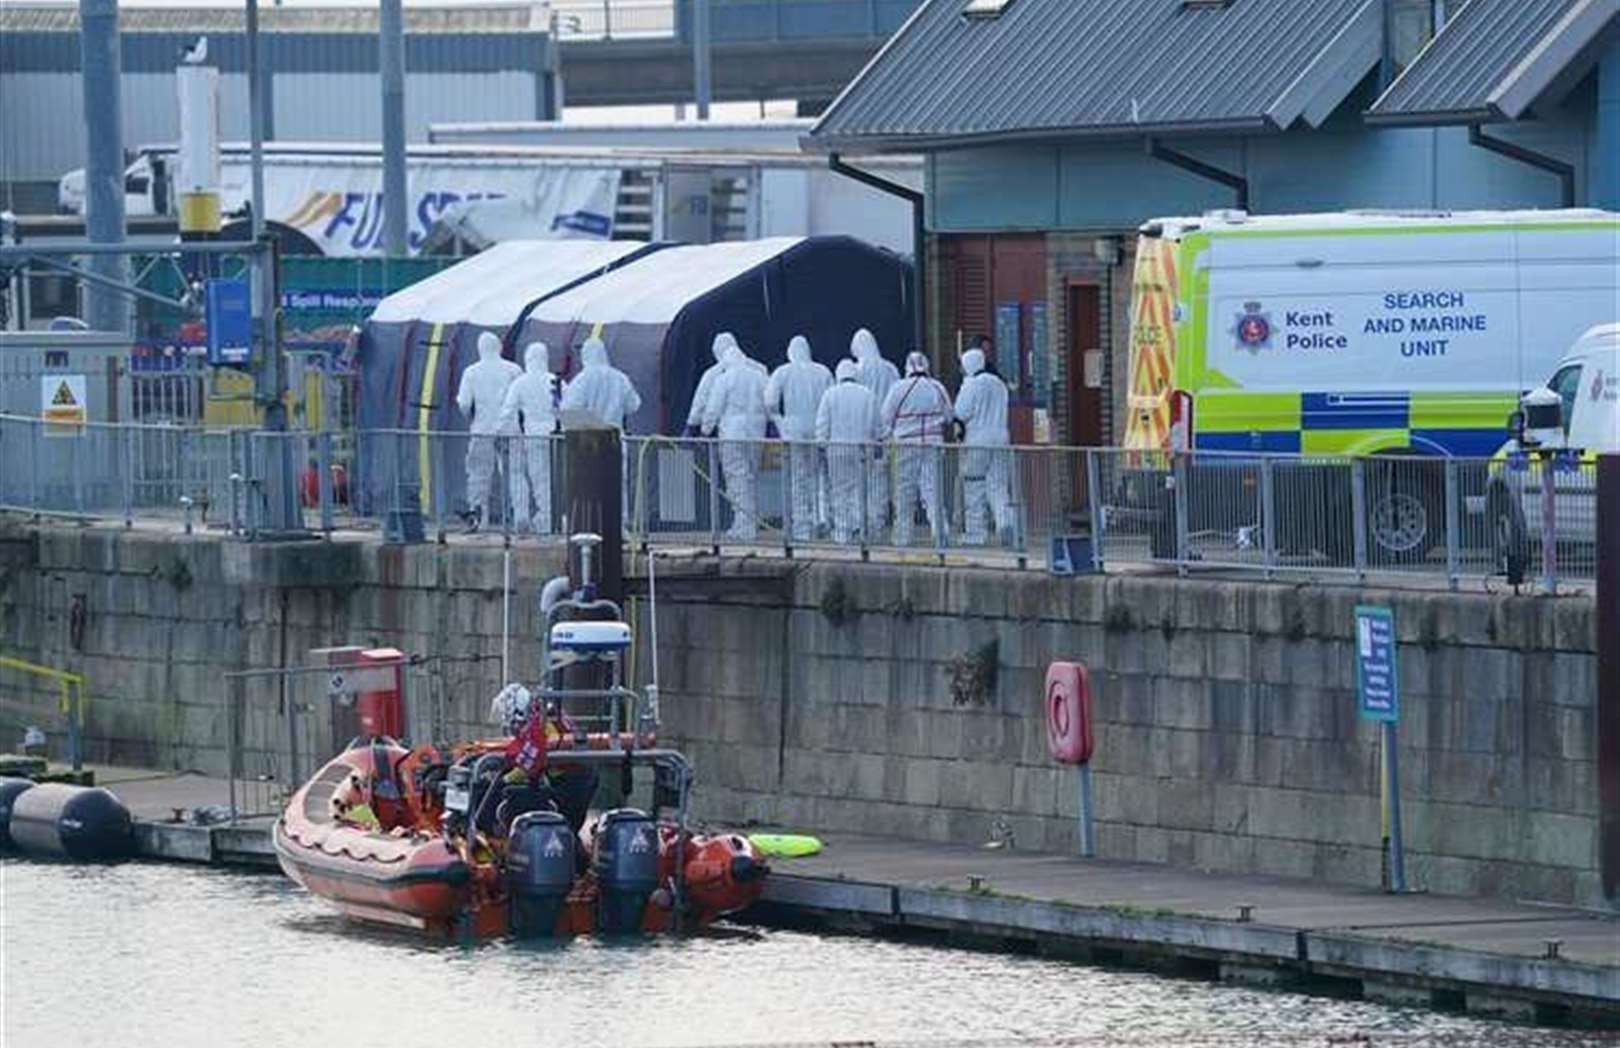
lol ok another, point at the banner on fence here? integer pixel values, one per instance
(62, 400)
(337, 202)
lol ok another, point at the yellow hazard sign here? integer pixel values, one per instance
(63, 403)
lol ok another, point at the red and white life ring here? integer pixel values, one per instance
(1068, 713)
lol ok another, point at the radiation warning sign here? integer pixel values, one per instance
(62, 403)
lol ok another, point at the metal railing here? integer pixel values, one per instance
(1440, 517)
(68, 714)
(614, 19)
(731, 20)
(1433, 518)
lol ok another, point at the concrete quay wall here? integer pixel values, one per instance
(1227, 733)
(907, 700)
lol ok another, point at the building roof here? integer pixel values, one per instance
(1493, 59)
(491, 18)
(1049, 68)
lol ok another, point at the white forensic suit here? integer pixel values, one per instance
(914, 417)
(879, 376)
(608, 394)
(480, 396)
(530, 408)
(981, 405)
(791, 398)
(846, 426)
(600, 388)
(736, 412)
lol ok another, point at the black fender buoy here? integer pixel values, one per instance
(73, 822)
(10, 789)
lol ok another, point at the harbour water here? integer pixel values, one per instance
(172, 957)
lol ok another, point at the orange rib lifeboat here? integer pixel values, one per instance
(331, 839)
(456, 844)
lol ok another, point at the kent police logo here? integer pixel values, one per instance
(1253, 328)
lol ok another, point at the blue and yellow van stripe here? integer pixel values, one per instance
(1470, 425)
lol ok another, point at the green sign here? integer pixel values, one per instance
(1377, 689)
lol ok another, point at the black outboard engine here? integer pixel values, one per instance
(626, 869)
(539, 871)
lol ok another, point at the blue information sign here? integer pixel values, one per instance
(1377, 693)
(229, 315)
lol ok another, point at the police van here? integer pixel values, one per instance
(1559, 430)
(1359, 333)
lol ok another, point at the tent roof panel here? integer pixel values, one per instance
(654, 290)
(492, 287)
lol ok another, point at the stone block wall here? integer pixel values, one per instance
(820, 695)
(1227, 732)
(166, 617)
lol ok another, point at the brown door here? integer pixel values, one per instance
(1084, 366)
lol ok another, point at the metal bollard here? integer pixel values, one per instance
(1099, 521)
(323, 482)
(863, 451)
(1179, 498)
(236, 495)
(129, 475)
(33, 464)
(714, 497)
(1453, 525)
(1268, 514)
(788, 450)
(1549, 523)
(185, 504)
(1358, 514)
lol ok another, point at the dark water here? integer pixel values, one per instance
(171, 956)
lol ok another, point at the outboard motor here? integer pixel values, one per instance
(73, 822)
(626, 867)
(10, 790)
(539, 871)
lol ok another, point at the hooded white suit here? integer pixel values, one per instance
(723, 342)
(914, 416)
(600, 388)
(480, 396)
(879, 376)
(736, 412)
(981, 405)
(533, 398)
(791, 398)
(847, 425)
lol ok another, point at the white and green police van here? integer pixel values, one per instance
(1360, 333)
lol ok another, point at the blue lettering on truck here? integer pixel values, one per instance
(1426, 313)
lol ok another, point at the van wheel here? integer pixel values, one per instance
(1405, 512)
(1510, 540)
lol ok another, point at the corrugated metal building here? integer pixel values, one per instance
(462, 63)
(1054, 128)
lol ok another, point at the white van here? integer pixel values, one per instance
(1408, 335)
(1571, 419)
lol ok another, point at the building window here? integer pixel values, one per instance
(1410, 26)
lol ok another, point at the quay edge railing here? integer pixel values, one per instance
(1411, 520)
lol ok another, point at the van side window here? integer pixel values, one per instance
(1566, 382)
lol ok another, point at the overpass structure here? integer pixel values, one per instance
(812, 71)
(472, 62)
(762, 49)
